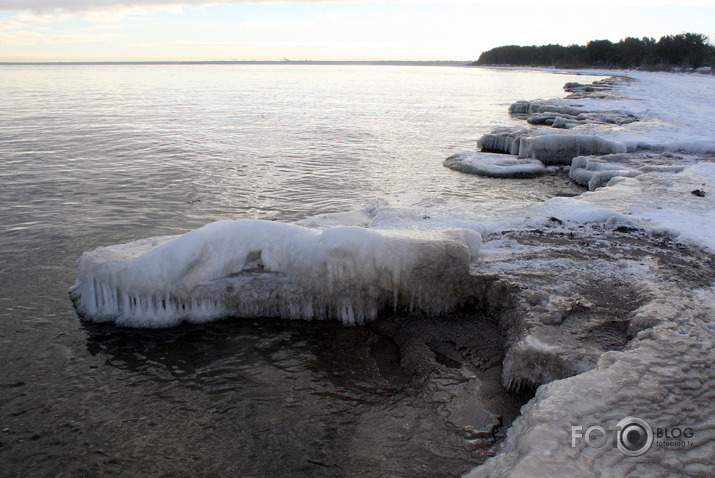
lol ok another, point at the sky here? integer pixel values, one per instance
(182, 30)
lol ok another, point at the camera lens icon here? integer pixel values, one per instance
(634, 436)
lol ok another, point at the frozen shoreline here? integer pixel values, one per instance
(661, 374)
(607, 298)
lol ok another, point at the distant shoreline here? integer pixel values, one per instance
(244, 62)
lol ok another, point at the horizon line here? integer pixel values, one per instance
(247, 62)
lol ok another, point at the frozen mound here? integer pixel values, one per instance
(560, 120)
(253, 268)
(503, 140)
(562, 148)
(558, 115)
(551, 149)
(495, 165)
(597, 171)
(600, 89)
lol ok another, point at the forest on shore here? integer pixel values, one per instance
(686, 50)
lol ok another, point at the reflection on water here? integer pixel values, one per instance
(99, 155)
(271, 397)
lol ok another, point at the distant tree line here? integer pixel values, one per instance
(687, 50)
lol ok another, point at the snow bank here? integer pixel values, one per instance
(255, 268)
(495, 165)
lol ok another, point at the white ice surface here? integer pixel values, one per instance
(495, 165)
(663, 202)
(261, 268)
(675, 111)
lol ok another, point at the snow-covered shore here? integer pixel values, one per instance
(607, 299)
(666, 271)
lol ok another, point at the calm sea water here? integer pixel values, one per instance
(99, 155)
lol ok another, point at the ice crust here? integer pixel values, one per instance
(495, 165)
(675, 111)
(253, 268)
(662, 374)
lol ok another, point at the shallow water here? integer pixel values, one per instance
(98, 155)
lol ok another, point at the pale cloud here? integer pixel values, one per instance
(25, 38)
(26, 20)
(230, 44)
(35, 29)
(82, 6)
(42, 6)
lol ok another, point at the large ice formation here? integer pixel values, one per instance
(597, 171)
(495, 165)
(502, 140)
(550, 149)
(254, 268)
(560, 149)
(557, 114)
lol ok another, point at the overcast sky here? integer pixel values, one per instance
(70, 30)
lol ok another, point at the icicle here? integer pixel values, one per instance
(345, 273)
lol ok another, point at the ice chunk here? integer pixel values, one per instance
(253, 268)
(495, 165)
(560, 149)
(560, 122)
(522, 107)
(560, 109)
(502, 140)
(597, 171)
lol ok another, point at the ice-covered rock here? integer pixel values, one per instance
(522, 107)
(563, 120)
(599, 89)
(560, 149)
(502, 140)
(495, 165)
(253, 268)
(559, 115)
(596, 171)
